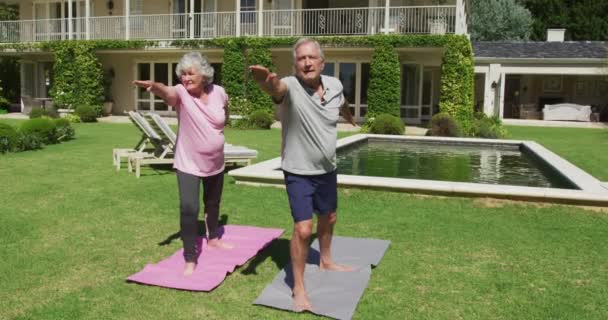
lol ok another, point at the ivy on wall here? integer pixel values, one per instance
(78, 75)
(259, 100)
(457, 79)
(384, 83)
(458, 83)
(233, 69)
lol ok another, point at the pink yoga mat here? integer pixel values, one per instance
(213, 264)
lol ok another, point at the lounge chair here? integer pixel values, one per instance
(149, 140)
(232, 154)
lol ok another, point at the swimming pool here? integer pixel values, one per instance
(458, 162)
(565, 183)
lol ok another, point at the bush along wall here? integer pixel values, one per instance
(233, 69)
(458, 82)
(260, 101)
(78, 74)
(457, 79)
(383, 95)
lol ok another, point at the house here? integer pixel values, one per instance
(516, 79)
(167, 20)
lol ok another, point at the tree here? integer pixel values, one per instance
(493, 20)
(582, 19)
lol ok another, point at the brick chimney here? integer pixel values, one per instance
(555, 35)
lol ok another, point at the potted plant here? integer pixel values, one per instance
(108, 103)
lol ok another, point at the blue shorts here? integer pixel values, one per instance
(308, 194)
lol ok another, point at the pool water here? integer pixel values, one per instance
(486, 164)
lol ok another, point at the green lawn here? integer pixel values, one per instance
(586, 148)
(72, 229)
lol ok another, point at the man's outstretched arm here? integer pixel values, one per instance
(269, 82)
(345, 111)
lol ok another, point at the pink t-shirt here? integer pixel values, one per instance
(200, 138)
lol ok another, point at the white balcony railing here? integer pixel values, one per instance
(302, 22)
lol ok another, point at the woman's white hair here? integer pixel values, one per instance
(197, 61)
(307, 40)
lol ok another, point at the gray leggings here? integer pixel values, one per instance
(189, 193)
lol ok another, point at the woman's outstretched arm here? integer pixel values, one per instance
(168, 94)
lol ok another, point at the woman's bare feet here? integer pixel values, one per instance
(219, 244)
(300, 301)
(335, 267)
(189, 268)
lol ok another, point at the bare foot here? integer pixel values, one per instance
(300, 301)
(219, 244)
(189, 269)
(335, 267)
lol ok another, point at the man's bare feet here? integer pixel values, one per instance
(219, 244)
(300, 301)
(189, 269)
(335, 267)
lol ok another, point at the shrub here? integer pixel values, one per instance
(387, 124)
(38, 113)
(28, 141)
(385, 72)
(43, 128)
(72, 118)
(488, 127)
(8, 138)
(443, 125)
(64, 128)
(86, 113)
(366, 126)
(261, 120)
(239, 106)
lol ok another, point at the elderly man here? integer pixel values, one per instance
(310, 106)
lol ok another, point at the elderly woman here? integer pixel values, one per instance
(202, 110)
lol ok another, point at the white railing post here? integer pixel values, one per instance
(127, 23)
(260, 18)
(387, 15)
(87, 14)
(191, 19)
(238, 18)
(70, 17)
(459, 28)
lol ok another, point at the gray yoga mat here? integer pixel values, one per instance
(331, 294)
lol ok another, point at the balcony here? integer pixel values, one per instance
(266, 23)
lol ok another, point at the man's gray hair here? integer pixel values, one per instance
(197, 61)
(307, 40)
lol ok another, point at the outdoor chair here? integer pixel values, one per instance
(161, 150)
(141, 146)
(232, 154)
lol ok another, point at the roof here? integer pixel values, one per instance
(541, 49)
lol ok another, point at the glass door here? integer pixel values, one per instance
(180, 26)
(411, 75)
(427, 95)
(282, 17)
(207, 19)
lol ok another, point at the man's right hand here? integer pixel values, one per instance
(261, 74)
(269, 82)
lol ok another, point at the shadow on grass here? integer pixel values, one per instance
(277, 250)
(201, 230)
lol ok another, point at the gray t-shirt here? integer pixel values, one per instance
(309, 126)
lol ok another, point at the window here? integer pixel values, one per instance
(159, 72)
(248, 17)
(329, 69)
(365, 75)
(136, 7)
